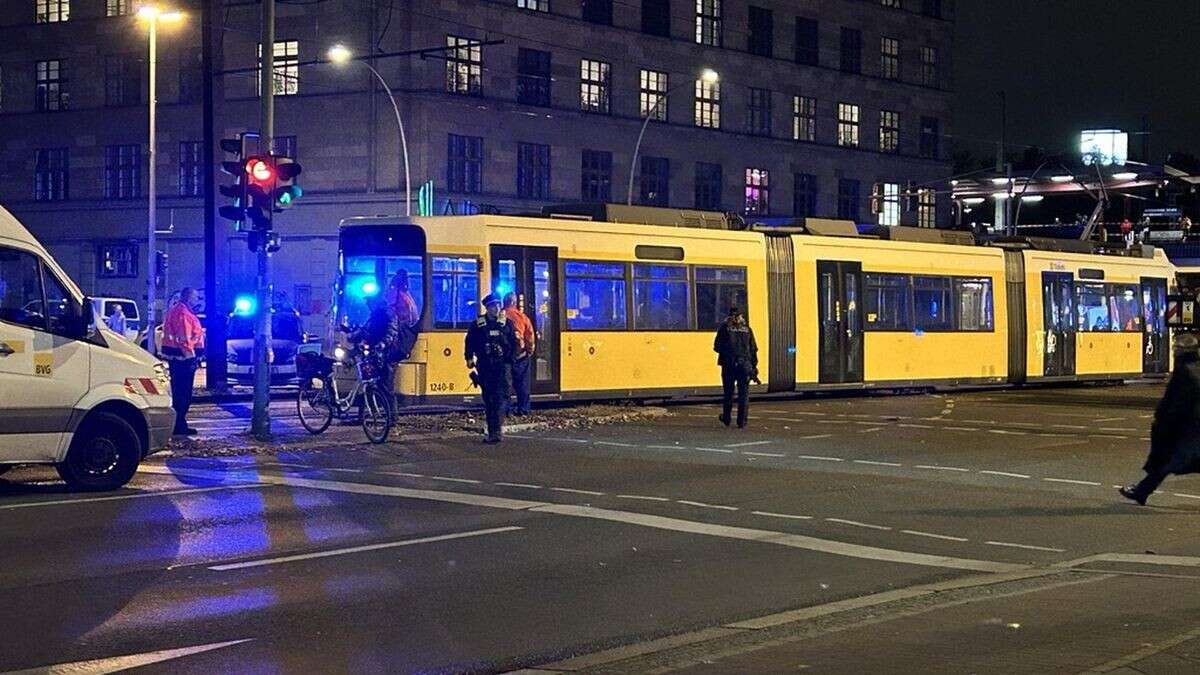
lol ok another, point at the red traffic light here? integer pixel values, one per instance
(260, 170)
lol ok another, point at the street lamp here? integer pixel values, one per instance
(152, 15)
(708, 75)
(341, 55)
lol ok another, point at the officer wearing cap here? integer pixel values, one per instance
(490, 348)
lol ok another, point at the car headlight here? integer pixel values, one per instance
(339, 353)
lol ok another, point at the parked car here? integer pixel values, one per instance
(102, 308)
(287, 339)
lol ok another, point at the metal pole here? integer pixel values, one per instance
(403, 141)
(636, 148)
(214, 338)
(152, 227)
(260, 420)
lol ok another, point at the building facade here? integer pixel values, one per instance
(773, 108)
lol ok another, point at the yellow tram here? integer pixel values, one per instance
(629, 310)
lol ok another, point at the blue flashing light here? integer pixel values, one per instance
(370, 287)
(243, 305)
(503, 289)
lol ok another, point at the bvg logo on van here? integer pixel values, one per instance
(43, 364)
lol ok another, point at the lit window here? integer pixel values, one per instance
(455, 292)
(594, 78)
(847, 125)
(464, 66)
(660, 297)
(116, 261)
(51, 85)
(894, 4)
(595, 295)
(286, 72)
(758, 191)
(53, 11)
(929, 66)
(708, 104)
(885, 302)
(926, 208)
(889, 208)
(535, 5)
(50, 175)
(804, 118)
(708, 22)
(652, 95)
(889, 131)
(119, 7)
(889, 58)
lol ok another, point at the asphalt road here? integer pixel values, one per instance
(965, 532)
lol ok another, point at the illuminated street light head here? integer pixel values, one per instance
(709, 75)
(154, 13)
(339, 54)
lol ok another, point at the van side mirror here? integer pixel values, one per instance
(85, 321)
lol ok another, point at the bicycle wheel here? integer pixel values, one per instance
(314, 406)
(377, 415)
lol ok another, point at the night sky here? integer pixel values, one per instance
(1068, 65)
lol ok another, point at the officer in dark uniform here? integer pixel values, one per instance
(490, 350)
(737, 354)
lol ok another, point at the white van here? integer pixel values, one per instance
(72, 393)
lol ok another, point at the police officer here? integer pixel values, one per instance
(737, 354)
(490, 349)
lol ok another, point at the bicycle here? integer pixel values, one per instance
(319, 399)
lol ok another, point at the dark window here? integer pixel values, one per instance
(464, 164)
(191, 168)
(533, 171)
(975, 304)
(660, 297)
(116, 261)
(122, 80)
(932, 8)
(51, 85)
(894, 4)
(50, 183)
(808, 45)
(885, 302)
(595, 295)
(848, 199)
(464, 66)
(191, 79)
(708, 22)
(762, 32)
(758, 191)
(122, 171)
(889, 58)
(933, 303)
(851, 50)
(758, 112)
(718, 289)
(595, 79)
(929, 66)
(804, 118)
(929, 137)
(596, 182)
(286, 146)
(21, 299)
(533, 77)
(804, 197)
(656, 181)
(455, 289)
(708, 187)
(656, 17)
(598, 11)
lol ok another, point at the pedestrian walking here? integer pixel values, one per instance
(1175, 432)
(116, 320)
(526, 340)
(182, 337)
(491, 345)
(737, 355)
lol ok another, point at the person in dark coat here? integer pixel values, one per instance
(491, 346)
(1175, 433)
(737, 355)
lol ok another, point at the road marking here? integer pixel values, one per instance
(1145, 652)
(114, 664)
(707, 506)
(1068, 426)
(402, 473)
(748, 444)
(1007, 474)
(855, 523)
(940, 468)
(567, 440)
(666, 447)
(645, 498)
(616, 444)
(521, 485)
(720, 450)
(1006, 431)
(1107, 436)
(136, 495)
(1109, 419)
(1025, 546)
(931, 535)
(820, 458)
(468, 481)
(573, 491)
(360, 549)
(763, 454)
(874, 463)
(832, 422)
(867, 431)
(916, 426)
(1071, 481)
(1185, 495)
(961, 428)
(781, 515)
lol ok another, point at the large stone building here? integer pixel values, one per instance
(813, 103)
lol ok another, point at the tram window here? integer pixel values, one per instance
(1124, 308)
(975, 312)
(885, 302)
(718, 289)
(454, 292)
(595, 295)
(660, 297)
(932, 303)
(1091, 307)
(368, 277)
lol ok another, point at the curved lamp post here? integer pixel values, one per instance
(708, 75)
(340, 55)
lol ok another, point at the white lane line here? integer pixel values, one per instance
(1109, 419)
(961, 428)
(1007, 474)
(748, 444)
(720, 450)
(1185, 495)
(763, 454)
(695, 415)
(468, 481)
(855, 523)
(867, 431)
(940, 468)
(567, 440)
(361, 549)
(832, 422)
(815, 436)
(666, 447)
(617, 444)
(781, 515)
(931, 535)
(1119, 430)
(1107, 436)
(916, 426)
(529, 486)
(1025, 546)
(573, 491)
(114, 664)
(401, 473)
(1072, 481)
(1068, 426)
(874, 463)
(645, 498)
(707, 506)
(1008, 432)
(819, 458)
(136, 495)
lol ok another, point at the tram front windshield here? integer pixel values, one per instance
(384, 262)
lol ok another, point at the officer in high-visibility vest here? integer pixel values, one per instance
(491, 345)
(182, 337)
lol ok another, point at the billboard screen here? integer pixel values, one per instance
(1105, 146)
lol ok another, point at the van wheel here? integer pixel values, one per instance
(104, 454)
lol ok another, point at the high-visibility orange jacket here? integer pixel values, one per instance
(523, 327)
(182, 330)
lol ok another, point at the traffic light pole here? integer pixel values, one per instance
(260, 420)
(214, 337)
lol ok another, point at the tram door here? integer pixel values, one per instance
(1155, 337)
(839, 313)
(1058, 308)
(532, 273)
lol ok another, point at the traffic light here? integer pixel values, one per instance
(238, 147)
(260, 190)
(876, 198)
(286, 189)
(258, 238)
